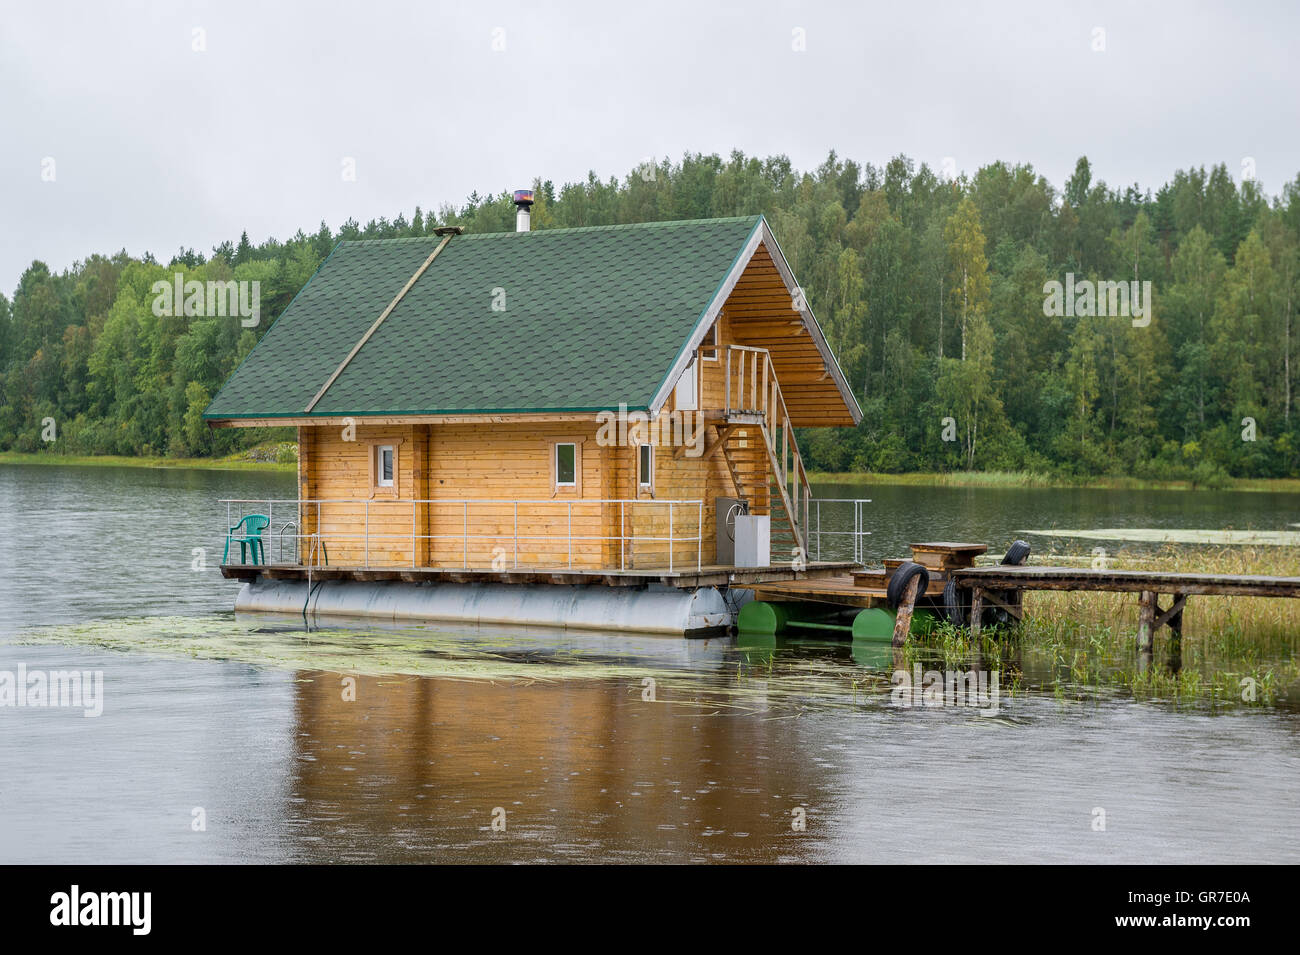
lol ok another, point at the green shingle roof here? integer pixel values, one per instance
(593, 317)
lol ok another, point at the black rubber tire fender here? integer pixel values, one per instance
(899, 580)
(996, 616)
(1016, 554)
(955, 602)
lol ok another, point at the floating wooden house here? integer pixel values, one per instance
(575, 427)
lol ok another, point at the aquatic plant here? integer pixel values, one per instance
(1072, 647)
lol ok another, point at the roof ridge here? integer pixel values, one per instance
(652, 224)
(424, 267)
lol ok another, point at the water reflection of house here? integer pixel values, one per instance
(414, 768)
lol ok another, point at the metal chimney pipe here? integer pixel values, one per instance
(523, 203)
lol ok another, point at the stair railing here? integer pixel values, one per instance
(751, 388)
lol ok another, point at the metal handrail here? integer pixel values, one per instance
(366, 535)
(284, 527)
(778, 432)
(318, 540)
(858, 534)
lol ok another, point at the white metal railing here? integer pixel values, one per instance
(833, 520)
(531, 536)
(858, 533)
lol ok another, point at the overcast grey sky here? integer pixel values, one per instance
(157, 145)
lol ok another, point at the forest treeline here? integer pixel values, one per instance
(932, 292)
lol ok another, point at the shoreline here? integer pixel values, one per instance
(232, 463)
(1017, 480)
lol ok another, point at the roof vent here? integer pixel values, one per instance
(523, 203)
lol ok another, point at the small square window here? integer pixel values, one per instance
(384, 465)
(566, 470)
(709, 347)
(645, 465)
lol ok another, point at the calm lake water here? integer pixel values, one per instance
(405, 746)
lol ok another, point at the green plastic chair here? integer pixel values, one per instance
(251, 536)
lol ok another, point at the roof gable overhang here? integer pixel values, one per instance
(760, 238)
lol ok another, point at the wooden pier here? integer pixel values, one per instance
(1003, 586)
(994, 584)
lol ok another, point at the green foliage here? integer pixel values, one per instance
(931, 293)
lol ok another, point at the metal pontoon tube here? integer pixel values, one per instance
(652, 610)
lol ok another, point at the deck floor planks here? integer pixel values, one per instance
(690, 577)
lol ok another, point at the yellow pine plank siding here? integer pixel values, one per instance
(338, 470)
(487, 463)
(505, 461)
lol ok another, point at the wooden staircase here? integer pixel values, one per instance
(760, 449)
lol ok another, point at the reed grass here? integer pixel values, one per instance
(1033, 479)
(242, 461)
(1084, 645)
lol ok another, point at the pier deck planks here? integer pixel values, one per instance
(1125, 581)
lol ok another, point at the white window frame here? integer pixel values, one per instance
(379, 466)
(556, 463)
(709, 349)
(646, 481)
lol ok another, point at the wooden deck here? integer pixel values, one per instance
(709, 575)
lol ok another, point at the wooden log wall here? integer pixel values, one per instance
(489, 463)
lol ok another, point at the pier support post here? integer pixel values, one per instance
(1146, 620)
(976, 611)
(903, 622)
(1175, 652)
(1176, 615)
(1173, 618)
